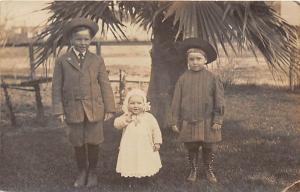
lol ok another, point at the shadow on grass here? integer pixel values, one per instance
(249, 161)
(255, 160)
(259, 152)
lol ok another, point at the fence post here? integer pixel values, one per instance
(31, 61)
(98, 48)
(9, 104)
(122, 85)
(54, 50)
(38, 98)
(297, 58)
(291, 78)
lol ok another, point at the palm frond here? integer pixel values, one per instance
(203, 20)
(244, 25)
(266, 31)
(249, 25)
(143, 13)
(101, 12)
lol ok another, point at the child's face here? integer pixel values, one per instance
(81, 40)
(136, 104)
(196, 61)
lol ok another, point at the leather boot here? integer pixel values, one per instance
(92, 178)
(193, 163)
(93, 152)
(208, 158)
(80, 155)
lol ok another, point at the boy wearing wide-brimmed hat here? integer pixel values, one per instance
(82, 96)
(198, 106)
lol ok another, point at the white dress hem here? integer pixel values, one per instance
(139, 175)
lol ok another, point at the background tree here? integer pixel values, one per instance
(232, 25)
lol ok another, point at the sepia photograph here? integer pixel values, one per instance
(149, 96)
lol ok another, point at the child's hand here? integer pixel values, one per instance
(175, 129)
(128, 118)
(216, 126)
(180, 147)
(61, 118)
(108, 116)
(156, 147)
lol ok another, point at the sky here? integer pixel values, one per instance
(28, 12)
(20, 13)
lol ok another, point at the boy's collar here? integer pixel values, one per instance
(77, 52)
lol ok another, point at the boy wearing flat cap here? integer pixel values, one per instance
(83, 97)
(198, 106)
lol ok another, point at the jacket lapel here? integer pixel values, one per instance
(87, 61)
(71, 59)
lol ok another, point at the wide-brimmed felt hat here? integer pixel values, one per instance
(80, 22)
(206, 47)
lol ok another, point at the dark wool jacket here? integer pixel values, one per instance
(198, 102)
(76, 90)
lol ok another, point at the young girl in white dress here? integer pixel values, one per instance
(141, 138)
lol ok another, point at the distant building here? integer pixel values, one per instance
(21, 34)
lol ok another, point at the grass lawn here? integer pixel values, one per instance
(260, 151)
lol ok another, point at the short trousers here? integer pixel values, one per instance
(194, 146)
(85, 133)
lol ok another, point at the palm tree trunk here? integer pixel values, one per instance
(166, 67)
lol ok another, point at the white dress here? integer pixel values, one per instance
(136, 156)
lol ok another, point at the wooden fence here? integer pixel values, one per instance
(32, 82)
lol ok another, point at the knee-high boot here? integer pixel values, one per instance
(208, 158)
(193, 163)
(80, 155)
(93, 152)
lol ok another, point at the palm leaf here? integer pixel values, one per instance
(246, 25)
(142, 13)
(63, 11)
(251, 25)
(273, 37)
(204, 20)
